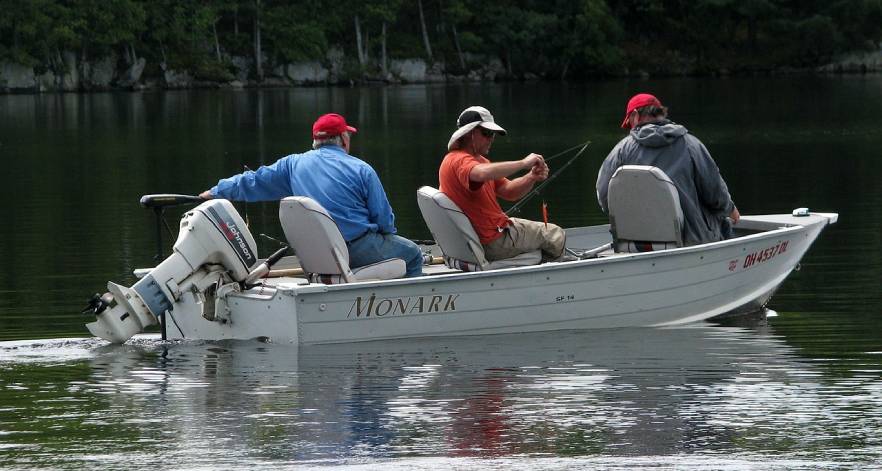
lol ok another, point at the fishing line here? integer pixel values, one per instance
(565, 151)
(274, 240)
(535, 191)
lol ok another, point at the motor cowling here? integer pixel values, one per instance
(213, 245)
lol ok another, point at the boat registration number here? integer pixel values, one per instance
(760, 256)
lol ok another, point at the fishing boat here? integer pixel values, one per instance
(634, 272)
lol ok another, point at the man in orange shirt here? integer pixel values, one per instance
(473, 182)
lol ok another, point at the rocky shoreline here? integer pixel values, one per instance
(68, 73)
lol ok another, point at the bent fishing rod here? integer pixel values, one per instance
(568, 150)
(535, 191)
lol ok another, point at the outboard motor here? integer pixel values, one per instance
(214, 247)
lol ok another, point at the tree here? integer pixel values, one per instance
(586, 38)
(426, 41)
(295, 30)
(23, 26)
(754, 13)
(258, 53)
(379, 14)
(103, 24)
(514, 33)
(457, 13)
(859, 21)
(214, 11)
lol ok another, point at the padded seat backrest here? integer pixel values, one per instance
(644, 206)
(450, 227)
(314, 236)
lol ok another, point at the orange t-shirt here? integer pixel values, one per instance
(477, 200)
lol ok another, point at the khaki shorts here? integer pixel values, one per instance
(523, 236)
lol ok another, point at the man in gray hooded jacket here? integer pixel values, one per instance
(654, 140)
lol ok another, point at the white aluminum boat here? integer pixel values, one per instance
(214, 287)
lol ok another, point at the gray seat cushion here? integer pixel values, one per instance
(522, 260)
(321, 248)
(644, 210)
(457, 238)
(385, 270)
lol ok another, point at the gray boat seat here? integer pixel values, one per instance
(457, 238)
(644, 210)
(320, 246)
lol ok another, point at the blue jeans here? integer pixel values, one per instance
(374, 247)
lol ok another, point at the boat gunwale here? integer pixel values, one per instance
(818, 218)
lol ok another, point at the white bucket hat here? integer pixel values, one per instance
(469, 119)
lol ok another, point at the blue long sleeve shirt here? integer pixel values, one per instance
(348, 188)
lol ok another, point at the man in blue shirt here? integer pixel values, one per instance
(347, 187)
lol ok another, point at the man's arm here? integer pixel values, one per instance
(513, 190)
(379, 209)
(609, 166)
(712, 189)
(495, 170)
(267, 183)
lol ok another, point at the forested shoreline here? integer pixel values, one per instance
(81, 45)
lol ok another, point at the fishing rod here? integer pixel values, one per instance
(567, 150)
(535, 191)
(247, 221)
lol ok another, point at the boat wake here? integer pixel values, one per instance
(63, 349)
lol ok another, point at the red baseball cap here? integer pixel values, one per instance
(638, 101)
(331, 124)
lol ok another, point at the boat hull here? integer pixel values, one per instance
(634, 290)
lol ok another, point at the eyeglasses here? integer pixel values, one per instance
(487, 133)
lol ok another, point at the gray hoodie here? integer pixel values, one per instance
(704, 196)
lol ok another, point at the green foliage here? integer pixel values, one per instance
(470, 41)
(212, 71)
(816, 39)
(295, 31)
(589, 38)
(22, 27)
(102, 24)
(552, 38)
(859, 22)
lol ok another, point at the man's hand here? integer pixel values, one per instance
(539, 172)
(496, 170)
(206, 195)
(532, 160)
(735, 215)
(538, 167)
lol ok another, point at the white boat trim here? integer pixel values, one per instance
(591, 293)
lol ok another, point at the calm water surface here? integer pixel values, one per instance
(803, 390)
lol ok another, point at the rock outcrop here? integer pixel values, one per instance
(859, 62)
(408, 70)
(99, 74)
(17, 78)
(174, 79)
(132, 75)
(70, 77)
(307, 73)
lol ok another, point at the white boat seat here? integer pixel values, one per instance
(457, 238)
(320, 246)
(644, 210)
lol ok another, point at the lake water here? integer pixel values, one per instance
(801, 390)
